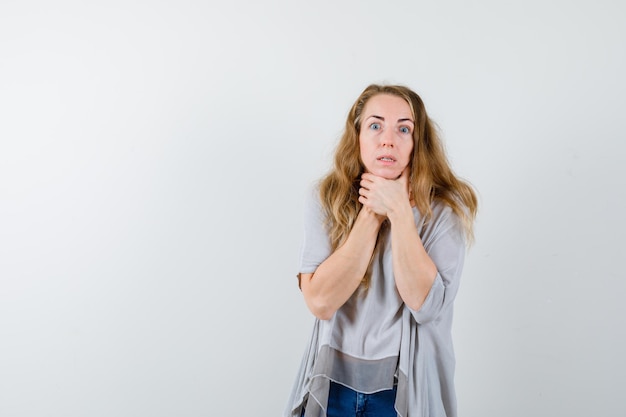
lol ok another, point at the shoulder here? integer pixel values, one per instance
(313, 192)
(443, 222)
(443, 213)
(314, 212)
(312, 200)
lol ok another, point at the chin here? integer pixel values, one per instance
(390, 174)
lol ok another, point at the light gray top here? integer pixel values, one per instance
(374, 340)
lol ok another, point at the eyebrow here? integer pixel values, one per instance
(383, 119)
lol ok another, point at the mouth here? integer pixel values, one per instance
(386, 158)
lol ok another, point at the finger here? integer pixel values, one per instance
(365, 183)
(367, 176)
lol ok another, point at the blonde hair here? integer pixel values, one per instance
(430, 179)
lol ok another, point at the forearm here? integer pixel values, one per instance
(413, 268)
(336, 279)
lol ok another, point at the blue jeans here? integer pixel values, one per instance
(345, 402)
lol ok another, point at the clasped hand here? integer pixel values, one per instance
(384, 196)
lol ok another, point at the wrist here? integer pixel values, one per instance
(401, 213)
(371, 217)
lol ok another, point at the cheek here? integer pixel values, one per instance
(409, 153)
(364, 149)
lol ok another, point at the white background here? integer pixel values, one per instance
(154, 156)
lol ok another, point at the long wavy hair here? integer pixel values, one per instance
(430, 179)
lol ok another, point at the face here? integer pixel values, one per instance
(386, 136)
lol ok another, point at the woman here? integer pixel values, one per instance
(383, 250)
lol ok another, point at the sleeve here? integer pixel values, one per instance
(445, 244)
(316, 243)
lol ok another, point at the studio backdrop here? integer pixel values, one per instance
(154, 158)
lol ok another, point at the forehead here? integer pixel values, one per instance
(387, 105)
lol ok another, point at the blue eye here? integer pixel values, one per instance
(375, 126)
(405, 129)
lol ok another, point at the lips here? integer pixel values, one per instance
(386, 158)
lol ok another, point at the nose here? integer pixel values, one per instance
(387, 139)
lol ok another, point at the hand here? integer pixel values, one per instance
(383, 196)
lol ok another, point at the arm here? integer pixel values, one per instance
(444, 242)
(414, 270)
(427, 269)
(336, 279)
